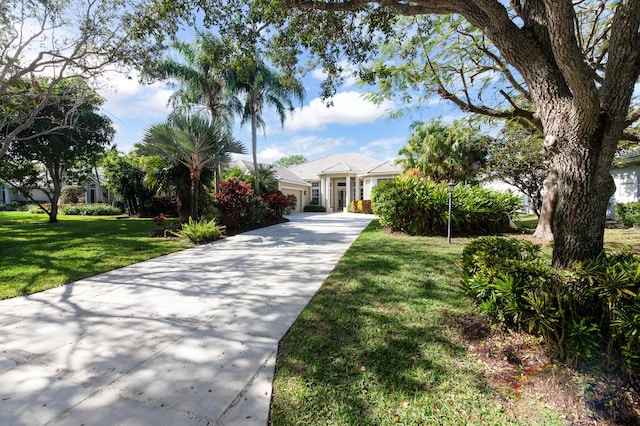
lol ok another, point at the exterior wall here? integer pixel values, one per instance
(368, 183)
(302, 194)
(627, 188)
(504, 187)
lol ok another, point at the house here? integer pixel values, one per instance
(95, 192)
(288, 183)
(626, 176)
(626, 173)
(337, 180)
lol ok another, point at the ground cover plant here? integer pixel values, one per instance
(390, 339)
(36, 255)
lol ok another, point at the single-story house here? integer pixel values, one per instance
(626, 173)
(626, 176)
(95, 192)
(337, 180)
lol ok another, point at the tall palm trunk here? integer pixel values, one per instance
(254, 146)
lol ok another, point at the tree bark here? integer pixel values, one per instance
(544, 230)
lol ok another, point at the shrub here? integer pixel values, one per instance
(71, 194)
(159, 220)
(239, 205)
(277, 202)
(578, 312)
(36, 209)
(314, 208)
(293, 202)
(419, 206)
(199, 232)
(629, 214)
(360, 206)
(91, 210)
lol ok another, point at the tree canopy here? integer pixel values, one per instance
(290, 160)
(43, 43)
(45, 160)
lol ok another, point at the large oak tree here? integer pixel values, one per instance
(577, 71)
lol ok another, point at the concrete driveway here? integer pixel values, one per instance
(185, 339)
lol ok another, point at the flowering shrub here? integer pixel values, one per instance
(360, 206)
(159, 219)
(276, 203)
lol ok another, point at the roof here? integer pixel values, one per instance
(286, 175)
(386, 168)
(337, 163)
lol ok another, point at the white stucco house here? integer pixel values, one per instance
(333, 181)
(626, 174)
(337, 180)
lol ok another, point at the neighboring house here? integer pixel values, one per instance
(625, 175)
(502, 186)
(337, 180)
(95, 192)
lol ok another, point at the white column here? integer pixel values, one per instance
(348, 189)
(323, 190)
(358, 188)
(327, 196)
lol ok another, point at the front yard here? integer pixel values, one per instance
(389, 339)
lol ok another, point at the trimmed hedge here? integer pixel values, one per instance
(314, 208)
(629, 214)
(419, 206)
(91, 210)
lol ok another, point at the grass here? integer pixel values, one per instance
(375, 346)
(36, 255)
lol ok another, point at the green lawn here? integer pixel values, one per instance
(36, 255)
(375, 346)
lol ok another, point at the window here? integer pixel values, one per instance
(315, 192)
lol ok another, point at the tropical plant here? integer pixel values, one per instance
(262, 85)
(419, 206)
(445, 153)
(194, 141)
(199, 232)
(204, 77)
(125, 178)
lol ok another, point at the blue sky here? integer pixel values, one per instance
(351, 125)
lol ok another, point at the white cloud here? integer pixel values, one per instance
(269, 155)
(126, 98)
(349, 79)
(383, 149)
(348, 108)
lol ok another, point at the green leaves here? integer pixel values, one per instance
(420, 207)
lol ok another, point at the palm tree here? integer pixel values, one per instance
(204, 76)
(194, 141)
(261, 86)
(444, 152)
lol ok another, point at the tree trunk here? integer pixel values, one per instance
(254, 148)
(584, 183)
(544, 230)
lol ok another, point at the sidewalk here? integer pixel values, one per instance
(185, 339)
